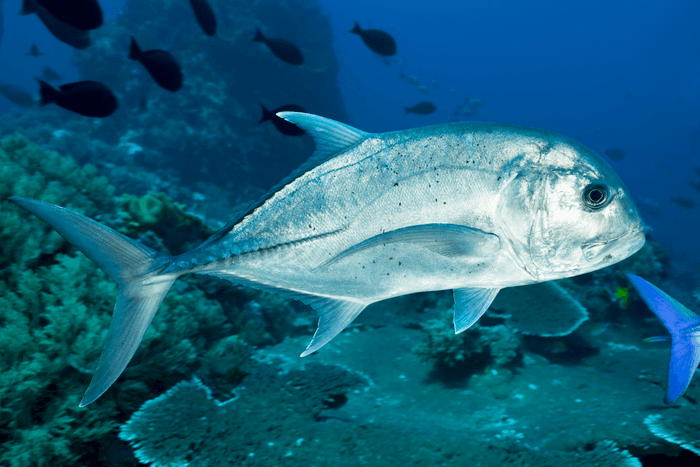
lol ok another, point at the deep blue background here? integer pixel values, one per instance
(611, 74)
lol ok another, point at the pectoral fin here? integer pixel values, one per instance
(449, 240)
(470, 305)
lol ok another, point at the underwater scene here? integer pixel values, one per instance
(319, 233)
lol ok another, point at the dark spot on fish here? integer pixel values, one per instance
(399, 263)
(396, 184)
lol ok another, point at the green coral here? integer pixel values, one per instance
(157, 213)
(55, 308)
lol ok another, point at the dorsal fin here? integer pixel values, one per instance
(331, 137)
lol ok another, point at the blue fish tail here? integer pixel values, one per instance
(134, 267)
(684, 326)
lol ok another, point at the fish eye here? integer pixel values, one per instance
(595, 196)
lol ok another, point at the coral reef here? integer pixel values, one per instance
(55, 309)
(681, 429)
(179, 230)
(525, 309)
(477, 348)
(187, 426)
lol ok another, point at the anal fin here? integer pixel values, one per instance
(470, 305)
(334, 315)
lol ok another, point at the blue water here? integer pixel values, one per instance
(623, 75)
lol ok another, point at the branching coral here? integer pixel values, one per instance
(54, 312)
(478, 346)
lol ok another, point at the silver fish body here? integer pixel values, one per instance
(473, 207)
(516, 192)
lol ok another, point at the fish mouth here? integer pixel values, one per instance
(633, 239)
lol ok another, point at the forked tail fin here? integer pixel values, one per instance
(134, 267)
(684, 326)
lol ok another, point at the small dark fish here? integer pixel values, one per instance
(34, 51)
(697, 170)
(205, 16)
(143, 104)
(161, 65)
(683, 202)
(649, 206)
(81, 14)
(281, 48)
(282, 125)
(615, 154)
(17, 95)
(75, 37)
(88, 98)
(422, 108)
(695, 185)
(378, 41)
(50, 75)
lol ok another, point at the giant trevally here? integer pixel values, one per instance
(473, 207)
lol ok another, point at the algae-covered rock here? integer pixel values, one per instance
(179, 230)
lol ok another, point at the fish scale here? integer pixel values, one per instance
(473, 207)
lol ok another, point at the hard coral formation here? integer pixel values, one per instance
(543, 309)
(477, 347)
(187, 426)
(682, 429)
(179, 230)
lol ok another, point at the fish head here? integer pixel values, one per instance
(566, 212)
